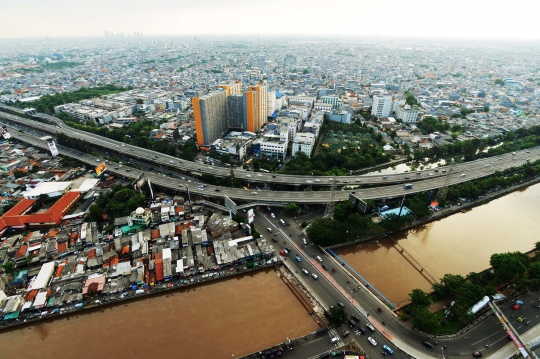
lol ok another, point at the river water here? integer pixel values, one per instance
(458, 244)
(235, 316)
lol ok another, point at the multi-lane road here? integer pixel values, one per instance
(330, 287)
(425, 181)
(340, 286)
(476, 168)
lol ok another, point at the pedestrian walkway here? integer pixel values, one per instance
(334, 334)
(510, 349)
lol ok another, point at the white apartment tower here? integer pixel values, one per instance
(381, 105)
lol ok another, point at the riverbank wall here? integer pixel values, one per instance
(162, 289)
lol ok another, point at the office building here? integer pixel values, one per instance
(381, 105)
(210, 113)
(333, 100)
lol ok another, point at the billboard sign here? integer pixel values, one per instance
(101, 168)
(52, 148)
(357, 203)
(250, 215)
(139, 182)
(230, 204)
(5, 133)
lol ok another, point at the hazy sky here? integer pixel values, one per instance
(420, 18)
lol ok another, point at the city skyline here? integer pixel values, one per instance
(389, 18)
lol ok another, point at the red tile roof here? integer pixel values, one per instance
(21, 252)
(17, 217)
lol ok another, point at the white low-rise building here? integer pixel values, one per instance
(303, 142)
(408, 114)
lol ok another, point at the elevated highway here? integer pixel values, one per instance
(481, 169)
(190, 167)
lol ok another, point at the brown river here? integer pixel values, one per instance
(230, 317)
(458, 244)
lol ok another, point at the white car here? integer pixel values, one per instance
(248, 176)
(273, 215)
(308, 181)
(314, 276)
(357, 180)
(317, 180)
(372, 341)
(254, 193)
(259, 175)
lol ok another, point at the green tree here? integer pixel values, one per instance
(305, 71)
(449, 286)
(139, 101)
(509, 266)
(411, 100)
(499, 82)
(7, 207)
(419, 207)
(534, 271)
(9, 267)
(337, 316)
(424, 320)
(19, 174)
(291, 209)
(420, 298)
(394, 222)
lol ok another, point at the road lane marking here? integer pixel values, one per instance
(483, 340)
